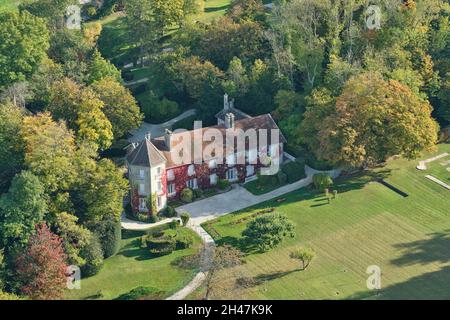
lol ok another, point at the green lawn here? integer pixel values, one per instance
(438, 169)
(368, 224)
(9, 4)
(256, 188)
(133, 267)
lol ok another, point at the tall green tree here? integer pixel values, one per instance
(11, 146)
(21, 209)
(24, 40)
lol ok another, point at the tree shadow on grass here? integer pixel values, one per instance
(274, 275)
(434, 249)
(431, 285)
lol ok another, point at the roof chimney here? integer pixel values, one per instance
(229, 121)
(226, 103)
(168, 138)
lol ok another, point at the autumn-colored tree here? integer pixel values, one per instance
(374, 119)
(119, 106)
(42, 266)
(92, 124)
(49, 150)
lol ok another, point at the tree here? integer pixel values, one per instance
(92, 124)
(224, 257)
(109, 232)
(375, 119)
(11, 148)
(41, 267)
(120, 107)
(21, 209)
(93, 255)
(49, 151)
(304, 255)
(74, 237)
(287, 103)
(185, 218)
(322, 181)
(166, 14)
(52, 10)
(101, 193)
(100, 68)
(266, 232)
(24, 40)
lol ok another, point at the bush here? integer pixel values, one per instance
(170, 212)
(109, 233)
(267, 180)
(223, 184)
(187, 262)
(173, 224)
(184, 242)
(143, 217)
(161, 246)
(322, 181)
(143, 293)
(187, 195)
(139, 89)
(282, 177)
(185, 218)
(127, 76)
(198, 193)
(294, 170)
(317, 164)
(93, 255)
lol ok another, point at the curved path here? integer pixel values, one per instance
(204, 210)
(157, 130)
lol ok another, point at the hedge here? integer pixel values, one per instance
(142, 293)
(294, 170)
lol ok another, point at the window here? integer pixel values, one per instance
(142, 204)
(273, 150)
(213, 179)
(231, 174)
(231, 159)
(171, 190)
(159, 202)
(158, 171)
(191, 170)
(170, 175)
(158, 186)
(141, 188)
(212, 164)
(251, 156)
(192, 184)
(142, 174)
(250, 170)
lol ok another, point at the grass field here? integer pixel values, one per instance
(133, 267)
(9, 4)
(438, 169)
(368, 224)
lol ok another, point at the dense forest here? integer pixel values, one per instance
(343, 93)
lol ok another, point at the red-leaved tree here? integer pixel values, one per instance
(41, 267)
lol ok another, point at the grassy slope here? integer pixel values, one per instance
(440, 171)
(367, 225)
(8, 4)
(133, 267)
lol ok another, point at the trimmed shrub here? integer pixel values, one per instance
(173, 224)
(282, 177)
(161, 246)
(170, 212)
(223, 184)
(294, 171)
(184, 242)
(267, 180)
(198, 193)
(322, 181)
(185, 216)
(187, 195)
(142, 293)
(93, 255)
